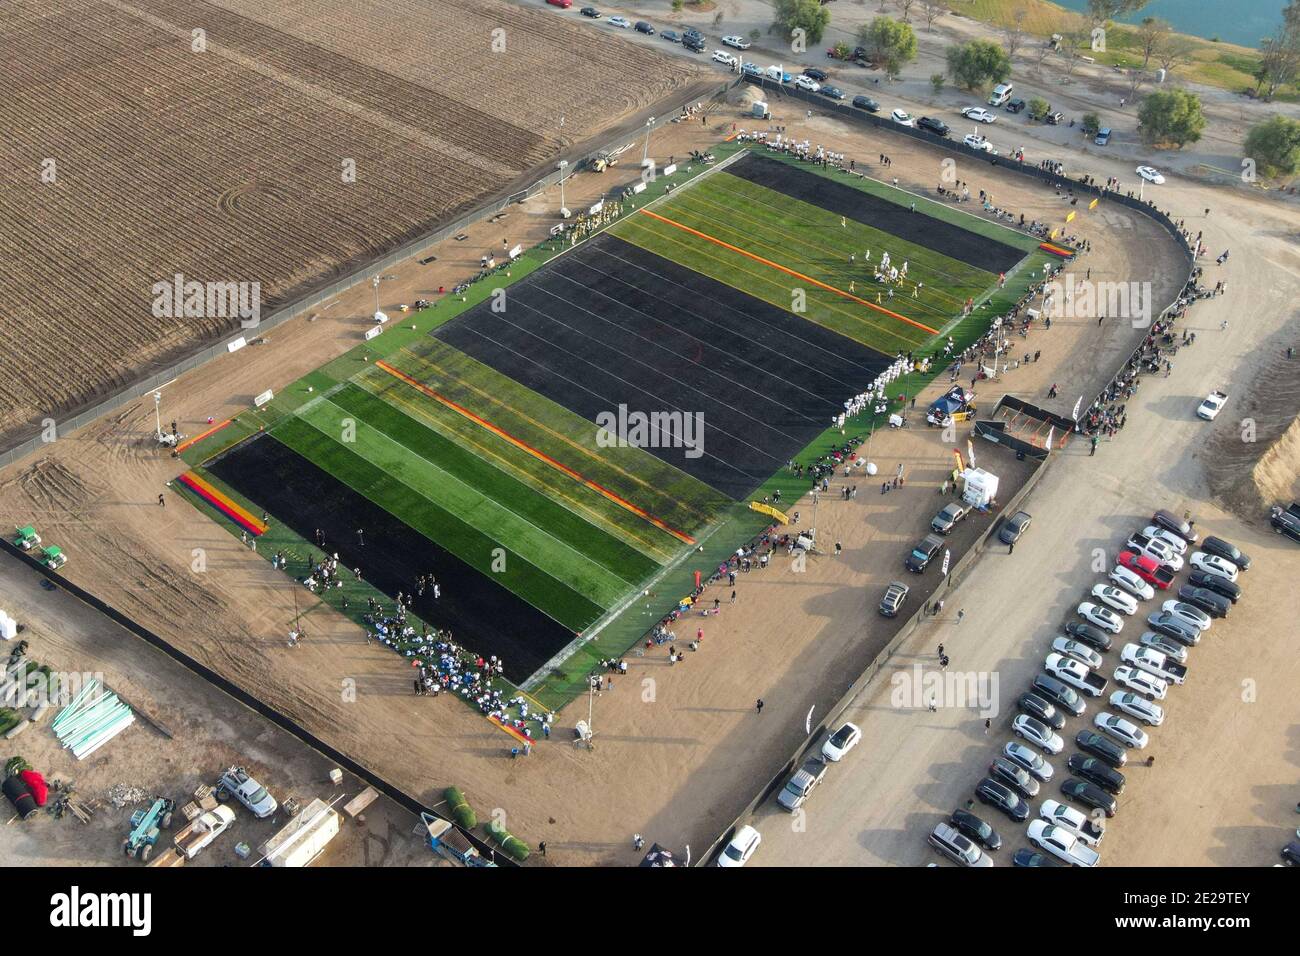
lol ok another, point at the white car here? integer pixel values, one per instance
(976, 141)
(1090, 831)
(1135, 705)
(841, 742)
(1186, 612)
(979, 114)
(1213, 564)
(1213, 404)
(902, 118)
(1062, 843)
(1103, 617)
(1037, 733)
(620, 22)
(1131, 583)
(1079, 651)
(1134, 678)
(741, 847)
(1155, 532)
(1125, 731)
(1157, 550)
(807, 83)
(1166, 645)
(1150, 174)
(725, 58)
(1115, 598)
(740, 43)
(1029, 760)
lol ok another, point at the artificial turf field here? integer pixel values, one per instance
(472, 452)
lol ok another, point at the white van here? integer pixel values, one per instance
(1001, 93)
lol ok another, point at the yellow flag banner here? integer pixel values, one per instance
(769, 510)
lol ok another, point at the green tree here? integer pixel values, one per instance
(1151, 33)
(978, 63)
(806, 15)
(890, 44)
(1091, 123)
(1102, 10)
(1274, 145)
(1171, 116)
(1037, 107)
(936, 82)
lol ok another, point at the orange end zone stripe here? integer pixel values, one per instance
(500, 725)
(222, 503)
(198, 438)
(539, 455)
(791, 272)
(1055, 250)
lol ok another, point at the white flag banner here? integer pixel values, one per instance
(947, 556)
(1077, 405)
(1050, 432)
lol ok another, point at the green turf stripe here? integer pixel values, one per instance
(548, 595)
(565, 526)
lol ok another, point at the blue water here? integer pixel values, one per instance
(1235, 21)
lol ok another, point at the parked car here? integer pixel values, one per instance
(979, 114)
(1211, 405)
(1027, 857)
(1087, 829)
(972, 827)
(1061, 695)
(591, 12)
(1165, 623)
(1213, 582)
(1191, 614)
(1014, 106)
(923, 553)
(821, 76)
(1211, 602)
(1077, 675)
(1150, 174)
(563, 4)
(1089, 795)
(1103, 136)
(807, 83)
(956, 847)
(1096, 771)
(832, 92)
(894, 597)
(1061, 843)
(1102, 617)
(1003, 769)
(1179, 526)
(725, 58)
(931, 125)
(1115, 598)
(642, 27)
(740, 847)
(621, 22)
(238, 783)
(1172, 649)
(672, 36)
(802, 783)
(994, 793)
(693, 43)
(1042, 709)
(1153, 662)
(841, 742)
(1284, 521)
(902, 118)
(1227, 551)
(1148, 569)
(948, 517)
(1037, 733)
(1054, 118)
(739, 43)
(1094, 637)
(1138, 707)
(1168, 537)
(1080, 652)
(1014, 527)
(1130, 582)
(1028, 759)
(866, 103)
(1135, 678)
(1122, 729)
(1094, 743)
(976, 141)
(1155, 549)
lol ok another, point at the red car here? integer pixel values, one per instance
(1148, 569)
(561, 3)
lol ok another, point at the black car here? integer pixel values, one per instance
(672, 36)
(866, 103)
(996, 794)
(1089, 794)
(1088, 634)
(1285, 522)
(1291, 853)
(948, 517)
(1102, 747)
(590, 12)
(1041, 709)
(894, 597)
(1095, 770)
(821, 76)
(694, 44)
(921, 556)
(1014, 527)
(643, 27)
(1215, 605)
(976, 829)
(1227, 551)
(1171, 522)
(1162, 622)
(932, 125)
(1058, 693)
(1003, 769)
(834, 92)
(1015, 106)
(1212, 582)
(1027, 857)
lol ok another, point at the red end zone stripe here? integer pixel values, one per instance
(1055, 250)
(798, 275)
(222, 503)
(539, 455)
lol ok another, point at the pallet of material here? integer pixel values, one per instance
(362, 800)
(169, 857)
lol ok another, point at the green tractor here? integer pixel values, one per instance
(26, 538)
(53, 557)
(146, 826)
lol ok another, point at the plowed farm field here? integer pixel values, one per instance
(215, 140)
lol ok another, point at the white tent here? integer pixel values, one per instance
(981, 487)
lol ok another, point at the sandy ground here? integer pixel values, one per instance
(679, 750)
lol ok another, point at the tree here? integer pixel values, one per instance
(1151, 33)
(806, 15)
(1038, 107)
(1014, 36)
(1091, 123)
(977, 63)
(1281, 54)
(936, 82)
(1173, 49)
(905, 7)
(1274, 145)
(1071, 43)
(1171, 117)
(1102, 10)
(932, 10)
(890, 44)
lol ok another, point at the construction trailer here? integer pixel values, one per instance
(303, 838)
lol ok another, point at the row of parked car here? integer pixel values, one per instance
(1148, 667)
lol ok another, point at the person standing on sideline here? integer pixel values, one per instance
(961, 613)
(939, 653)
(162, 502)
(987, 724)
(1011, 548)
(541, 848)
(758, 706)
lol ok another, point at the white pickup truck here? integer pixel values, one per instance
(1076, 674)
(1213, 404)
(1153, 662)
(202, 831)
(1090, 831)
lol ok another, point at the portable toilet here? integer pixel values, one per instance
(759, 109)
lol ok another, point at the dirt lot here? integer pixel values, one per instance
(133, 156)
(679, 750)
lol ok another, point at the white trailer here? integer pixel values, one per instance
(301, 841)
